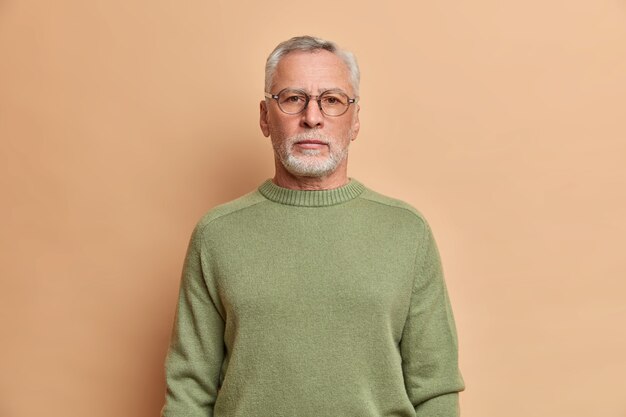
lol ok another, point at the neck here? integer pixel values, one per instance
(335, 179)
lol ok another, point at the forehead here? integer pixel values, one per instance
(312, 71)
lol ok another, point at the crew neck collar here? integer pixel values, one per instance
(311, 198)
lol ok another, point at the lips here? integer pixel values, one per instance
(311, 142)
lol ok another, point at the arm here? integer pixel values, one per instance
(194, 359)
(429, 343)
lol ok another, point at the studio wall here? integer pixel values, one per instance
(122, 122)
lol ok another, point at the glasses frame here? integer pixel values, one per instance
(308, 99)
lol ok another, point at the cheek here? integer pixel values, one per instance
(346, 131)
(282, 126)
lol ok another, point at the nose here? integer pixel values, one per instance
(312, 116)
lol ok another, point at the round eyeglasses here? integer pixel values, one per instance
(331, 102)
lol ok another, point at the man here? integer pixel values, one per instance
(312, 296)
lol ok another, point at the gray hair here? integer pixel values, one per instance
(311, 44)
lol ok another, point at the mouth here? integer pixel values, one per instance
(311, 144)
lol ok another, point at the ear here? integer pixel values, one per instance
(356, 124)
(264, 118)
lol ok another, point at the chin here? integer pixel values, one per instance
(305, 167)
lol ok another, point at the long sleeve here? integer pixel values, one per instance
(429, 342)
(196, 350)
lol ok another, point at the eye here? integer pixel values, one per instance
(291, 97)
(334, 99)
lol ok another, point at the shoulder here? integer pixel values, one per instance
(225, 210)
(395, 207)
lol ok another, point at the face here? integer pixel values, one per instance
(310, 144)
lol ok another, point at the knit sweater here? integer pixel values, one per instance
(327, 303)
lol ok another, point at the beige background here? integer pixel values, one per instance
(121, 122)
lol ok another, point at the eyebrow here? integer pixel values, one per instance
(332, 90)
(321, 90)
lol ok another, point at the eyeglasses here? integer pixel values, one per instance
(331, 102)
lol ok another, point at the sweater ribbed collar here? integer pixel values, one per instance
(311, 198)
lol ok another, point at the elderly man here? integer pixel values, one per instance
(312, 296)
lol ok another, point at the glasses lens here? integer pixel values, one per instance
(292, 101)
(334, 103)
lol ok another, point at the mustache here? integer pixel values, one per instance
(310, 135)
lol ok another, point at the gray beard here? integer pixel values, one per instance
(308, 165)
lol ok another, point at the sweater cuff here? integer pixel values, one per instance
(446, 405)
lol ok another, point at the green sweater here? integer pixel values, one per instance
(313, 304)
